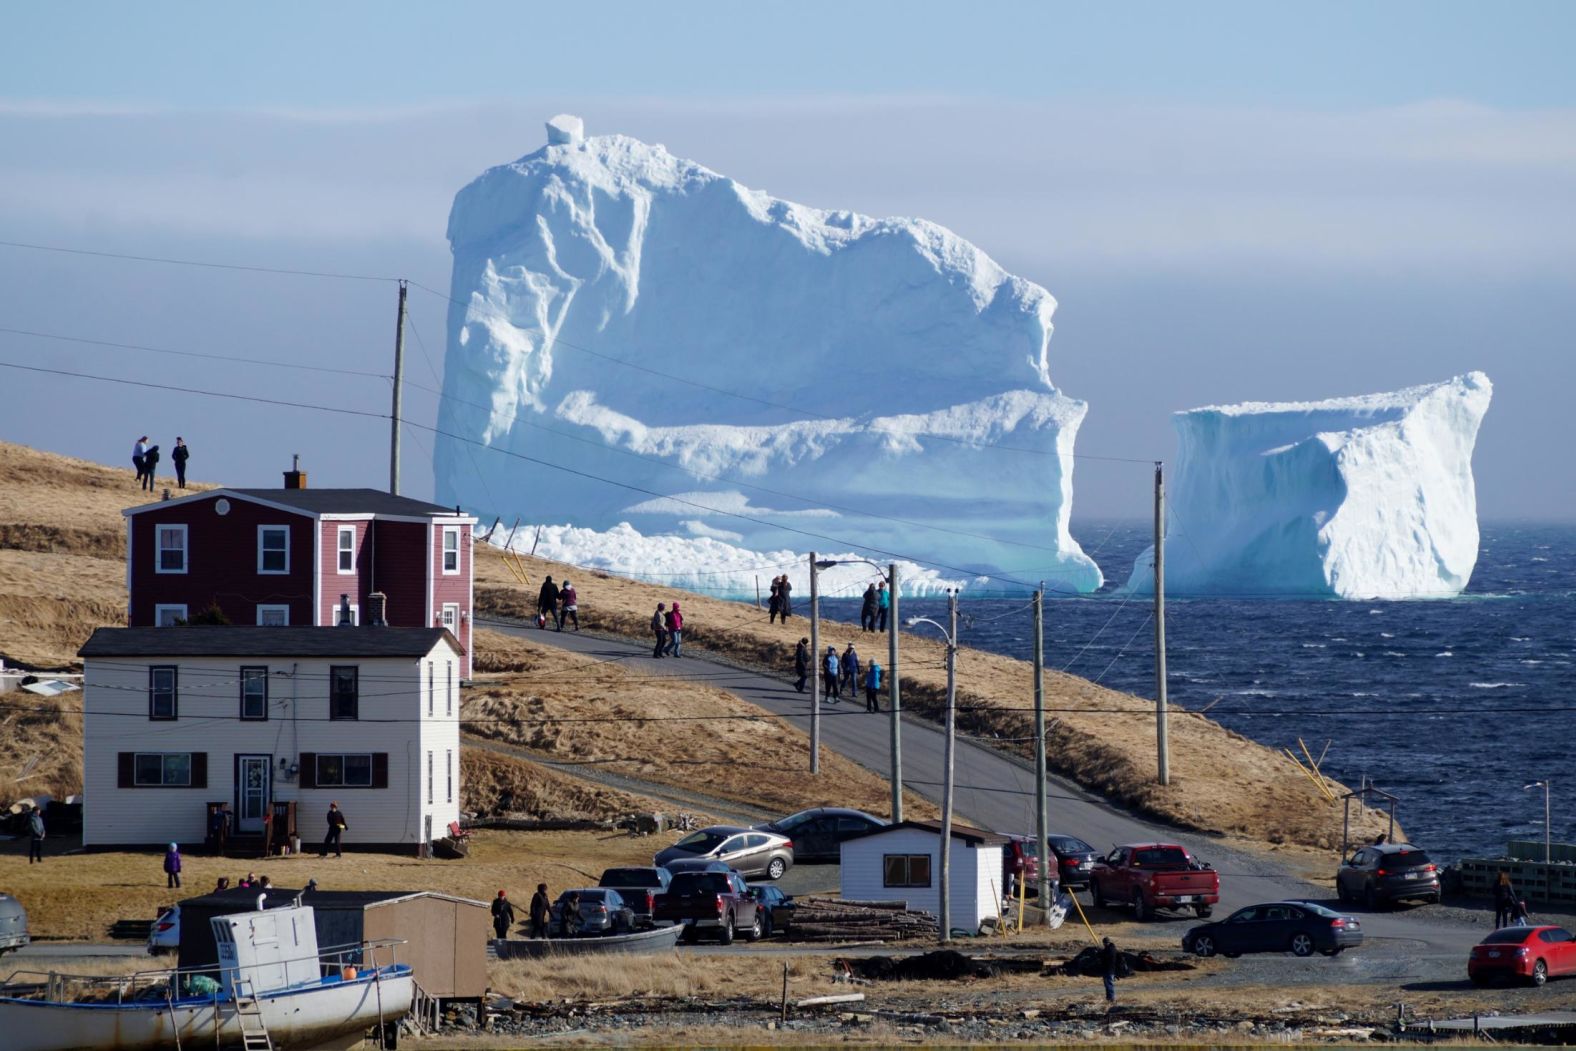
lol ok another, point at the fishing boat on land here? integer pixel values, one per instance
(273, 989)
(655, 939)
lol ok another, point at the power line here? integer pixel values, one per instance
(191, 353)
(195, 262)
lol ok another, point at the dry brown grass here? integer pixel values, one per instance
(41, 747)
(1100, 738)
(532, 695)
(491, 783)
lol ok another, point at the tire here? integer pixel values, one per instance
(1340, 892)
(1370, 899)
(725, 933)
(1141, 908)
(1540, 973)
(1302, 944)
(755, 932)
(1204, 945)
(767, 928)
(775, 869)
(1333, 952)
(1432, 899)
(688, 937)
(1095, 895)
(1231, 955)
(1203, 912)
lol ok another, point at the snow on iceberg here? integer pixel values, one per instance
(715, 362)
(1363, 498)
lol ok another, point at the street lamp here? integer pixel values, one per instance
(944, 910)
(895, 705)
(1547, 833)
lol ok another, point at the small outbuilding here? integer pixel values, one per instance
(902, 862)
(444, 938)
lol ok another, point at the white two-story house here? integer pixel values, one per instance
(176, 719)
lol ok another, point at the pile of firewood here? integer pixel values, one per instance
(836, 920)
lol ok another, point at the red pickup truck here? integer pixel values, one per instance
(717, 901)
(1152, 876)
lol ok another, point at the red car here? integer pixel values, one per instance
(1533, 954)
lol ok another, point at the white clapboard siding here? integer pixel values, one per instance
(973, 869)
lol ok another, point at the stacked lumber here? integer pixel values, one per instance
(836, 920)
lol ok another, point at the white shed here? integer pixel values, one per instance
(902, 862)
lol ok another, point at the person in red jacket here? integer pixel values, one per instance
(675, 626)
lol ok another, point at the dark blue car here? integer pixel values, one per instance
(777, 908)
(1298, 927)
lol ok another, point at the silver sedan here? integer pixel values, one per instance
(749, 851)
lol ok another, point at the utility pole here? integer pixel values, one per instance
(1041, 816)
(895, 713)
(815, 667)
(399, 369)
(1163, 746)
(945, 910)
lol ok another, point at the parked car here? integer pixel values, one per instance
(695, 865)
(818, 833)
(717, 901)
(1532, 954)
(602, 911)
(750, 851)
(1386, 873)
(1074, 858)
(638, 887)
(1152, 876)
(1298, 927)
(777, 908)
(13, 924)
(165, 934)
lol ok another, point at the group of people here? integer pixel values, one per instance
(1509, 909)
(781, 602)
(557, 603)
(839, 672)
(667, 625)
(145, 458)
(541, 912)
(875, 608)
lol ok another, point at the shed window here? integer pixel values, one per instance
(347, 549)
(273, 549)
(344, 700)
(163, 692)
(451, 549)
(171, 549)
(905, 870)
(254, 693)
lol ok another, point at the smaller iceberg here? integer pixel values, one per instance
(1356, 498)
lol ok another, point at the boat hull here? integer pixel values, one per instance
(656, 939)
(328, 1015)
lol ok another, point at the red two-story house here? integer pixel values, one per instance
(285, 556)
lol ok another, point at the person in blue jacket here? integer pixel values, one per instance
(872, 686)
(883, 606)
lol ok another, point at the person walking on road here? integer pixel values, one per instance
(1108, 958)
(150, 463)
(569, 603)
(547, 604)
(139, 454)
(35, 836)
(336, 831)
(867, 610)
(659, 628)
(178, 456)
(801, 663)
(872, 686)
(849, 668)
(503, 915)
(541, 910)
(1504, 901)
(830, 680)
(883, 606)
(675, 626)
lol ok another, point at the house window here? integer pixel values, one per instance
(273, 549)
(171, 549)
(344, 698)
(163, 770)
(451, 549)
(347, 770)
(905, 870)
(450, 617)
(167, 616)
(273, 616)
(254, 693)
(162, 692)
(429, 777)
(450, 755)
(347, 549)
(432, 693)
(448, 688)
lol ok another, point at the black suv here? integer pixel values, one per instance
(818, 833)
(1388, 872)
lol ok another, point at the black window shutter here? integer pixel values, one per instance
(199, 769)
(308, 769)
(127, 777)
(380, 769)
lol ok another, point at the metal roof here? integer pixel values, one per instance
(245, 640)
(973, 836)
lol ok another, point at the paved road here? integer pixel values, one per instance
(996, 791)
(78, 950)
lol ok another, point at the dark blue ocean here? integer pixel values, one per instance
(1452, 705)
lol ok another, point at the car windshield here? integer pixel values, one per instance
(793, 821)
(631, 878)
(1405, 859)
(703, 842)
(701, 883)
(1160, 858)
(1069, 845)
(1508, 936)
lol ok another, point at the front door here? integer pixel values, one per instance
(252, 773)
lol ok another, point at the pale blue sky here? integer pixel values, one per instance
(1230, 201)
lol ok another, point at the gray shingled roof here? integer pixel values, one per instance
(346, 501)
(245, 640)
(967, 833)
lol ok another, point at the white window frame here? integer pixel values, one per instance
(355, 615)
(432, 690)
(282, 610)
(262, 531)
(450, 754)
(448, 688)
(341, 551)
(177, 608)
(449, 531)
(158, 548)
(429, 777)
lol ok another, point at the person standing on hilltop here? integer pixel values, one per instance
(568, 602)
(801, 663)
(675, 626)
(178, 457)
(150, 463)
(867, 611)
(547, 604)
(139, 454)
(774, 605)
(785, 591)
(883, 606)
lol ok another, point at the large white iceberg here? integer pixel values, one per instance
(1366, 497)
(709, 360)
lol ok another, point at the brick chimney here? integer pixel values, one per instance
(295, 478)
(377, 604)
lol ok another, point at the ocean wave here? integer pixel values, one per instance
(1496, 685)
(1444, 653)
